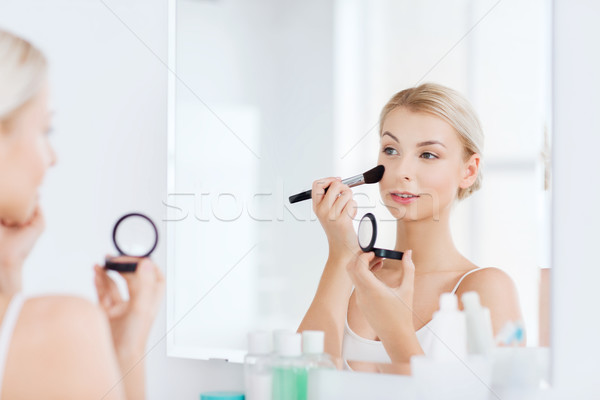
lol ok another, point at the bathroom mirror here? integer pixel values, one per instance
(267, 96)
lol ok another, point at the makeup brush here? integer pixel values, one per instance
(371, 176)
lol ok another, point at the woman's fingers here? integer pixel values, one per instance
(332, 203)
(144, 274)
(318, 190)
(351, 208)
(145, 285)
(361, 264)
(408, 273)
(102, 290)
(340, 202)
(100, 286)
(108, 292)
(334, 193)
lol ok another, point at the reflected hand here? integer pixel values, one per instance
(131, 320)
(335, 210)
(17, 240)
(387, 309)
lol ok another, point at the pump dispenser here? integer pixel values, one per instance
(449, 326)
(479, 325)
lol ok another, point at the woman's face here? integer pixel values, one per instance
(25, 155)
(424, 165)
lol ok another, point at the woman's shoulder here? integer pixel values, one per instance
(486, 278)
(59, 304)
(61, 325)
(61, 314)
(64, 339)
(497, 291)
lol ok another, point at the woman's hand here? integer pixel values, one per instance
(131, 320)
(389, 310)
(335, 210)
(17, 241)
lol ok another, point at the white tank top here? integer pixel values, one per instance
(6, 330)
(357, 348)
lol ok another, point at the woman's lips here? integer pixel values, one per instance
(404, 197)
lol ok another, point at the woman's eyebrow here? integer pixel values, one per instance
(429, 142)
(390, 135)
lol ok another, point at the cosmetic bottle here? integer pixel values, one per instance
(447, 372)
(313, 353)
(449, 326)
(258, 377)
(289, 369)
(480, 337)
(277, 335)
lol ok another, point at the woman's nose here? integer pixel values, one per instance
(405, 170)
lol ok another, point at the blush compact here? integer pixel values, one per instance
(135, 237)
(367, 235)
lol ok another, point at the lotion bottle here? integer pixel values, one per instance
(258, 377)
(449, 326)
(479, 325)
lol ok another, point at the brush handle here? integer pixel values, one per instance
(352, 182)
(301, 196)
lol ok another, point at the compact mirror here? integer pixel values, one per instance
(367, 235)
(135, 236)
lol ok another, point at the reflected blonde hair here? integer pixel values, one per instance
(23, 70)
(450, 106)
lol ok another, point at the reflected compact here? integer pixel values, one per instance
(367, 235)
(135, 237)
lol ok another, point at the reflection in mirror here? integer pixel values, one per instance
(272, 95)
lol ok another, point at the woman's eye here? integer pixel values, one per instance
(390, 151)
(429, 156)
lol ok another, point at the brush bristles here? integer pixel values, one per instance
(374, 175)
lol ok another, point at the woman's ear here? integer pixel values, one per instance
(470, 171)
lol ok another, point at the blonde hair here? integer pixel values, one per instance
(450, 106)
(23, 70)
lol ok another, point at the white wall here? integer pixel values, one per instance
(110, 99)
(575, 326)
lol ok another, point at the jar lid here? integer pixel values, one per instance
(222, 396)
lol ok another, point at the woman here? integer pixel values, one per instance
(57, 346)
(377, 310)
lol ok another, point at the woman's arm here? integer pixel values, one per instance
(388, 310)
(131, 320)
(327, 312)
(328, 309)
